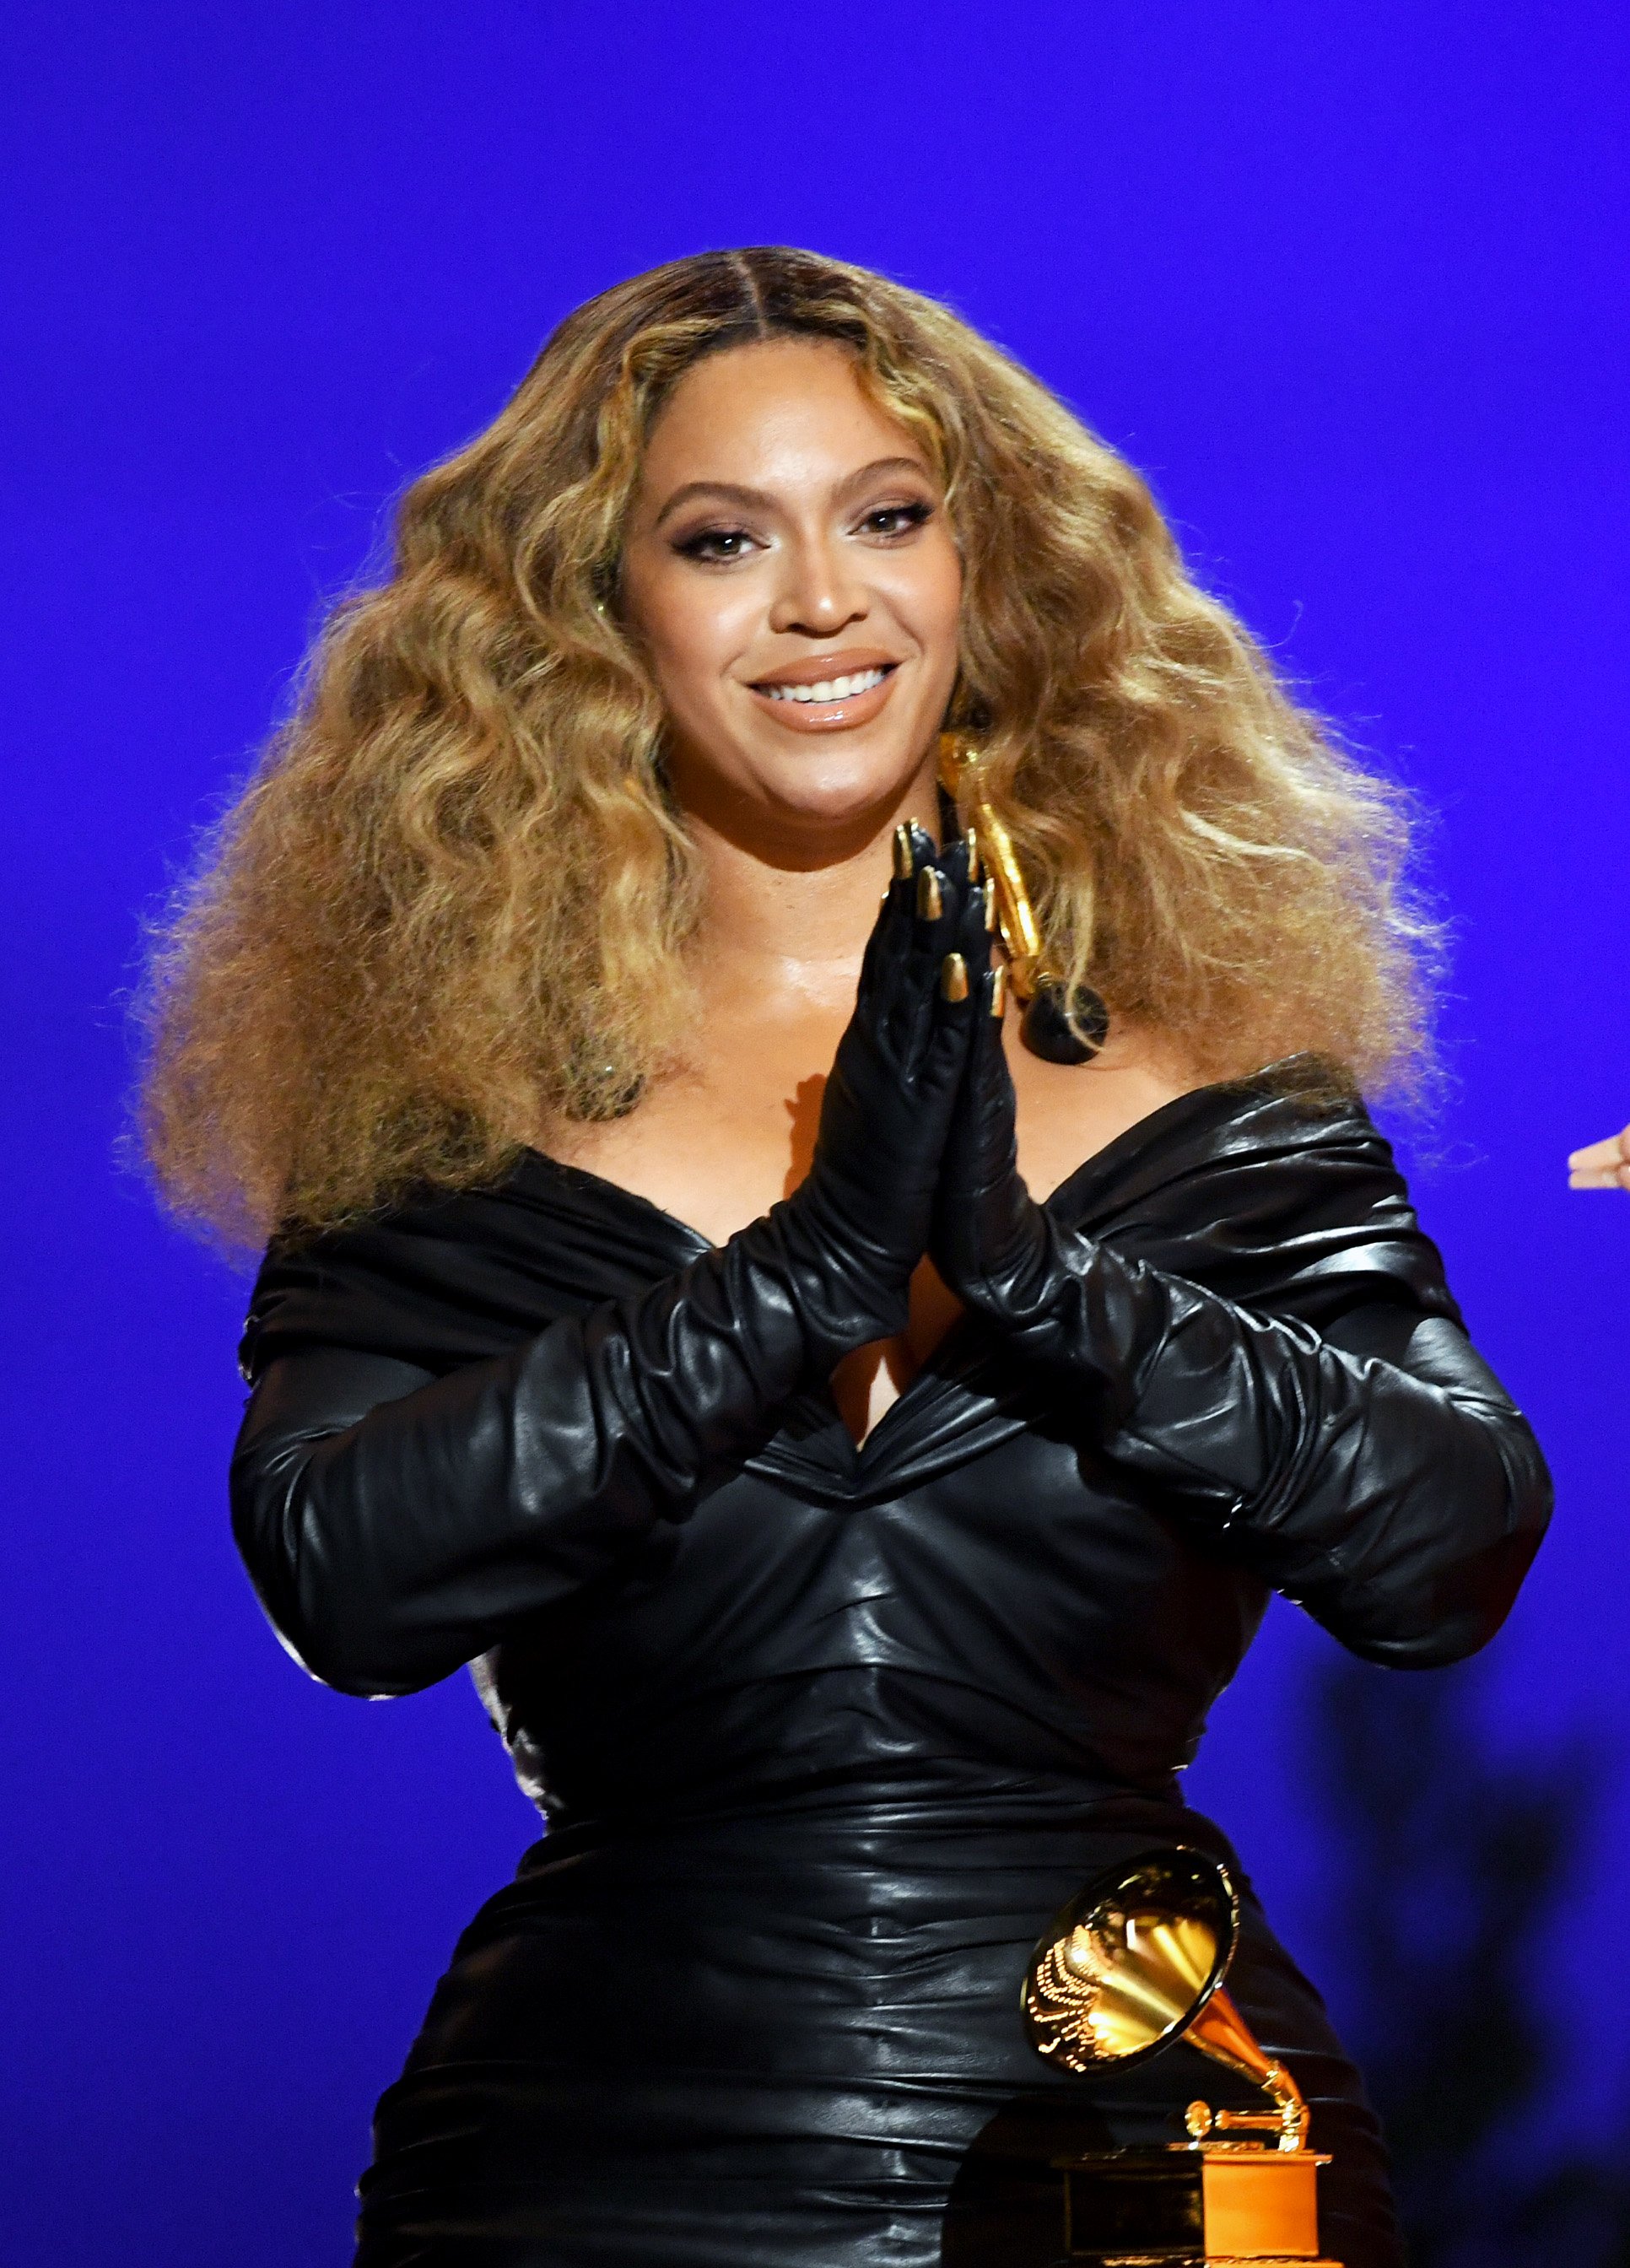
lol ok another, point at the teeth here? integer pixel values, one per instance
(830, 689)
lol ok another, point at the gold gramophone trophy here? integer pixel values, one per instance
(1132, 1964)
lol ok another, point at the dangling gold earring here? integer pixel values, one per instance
(1047, 1027)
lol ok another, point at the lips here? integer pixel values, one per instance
(830, 695)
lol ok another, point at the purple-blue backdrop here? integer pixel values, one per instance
(1346, 282)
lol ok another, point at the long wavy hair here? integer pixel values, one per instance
(452, 903)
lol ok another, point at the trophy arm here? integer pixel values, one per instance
(1221, 2032)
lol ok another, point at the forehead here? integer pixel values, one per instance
(777, 412)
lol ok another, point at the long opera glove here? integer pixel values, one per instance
(397, 1524)
(1373, 1470)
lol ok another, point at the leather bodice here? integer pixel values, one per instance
(991, 1595)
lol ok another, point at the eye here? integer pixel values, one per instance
(890, 521)
(715, 547)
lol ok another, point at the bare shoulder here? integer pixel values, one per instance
(716, 1141)
(1068, 1112)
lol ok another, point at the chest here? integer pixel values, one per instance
(718, 1142)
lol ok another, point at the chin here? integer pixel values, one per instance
(831, 784)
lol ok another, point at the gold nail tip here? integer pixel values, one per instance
(998, 990)
(905, 854)
(953, 977)
(930, 903)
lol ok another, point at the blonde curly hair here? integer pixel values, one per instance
(451, 905)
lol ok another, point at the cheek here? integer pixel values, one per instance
(692, 631)
(930, 600)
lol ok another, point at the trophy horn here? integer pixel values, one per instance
(1135, 1961)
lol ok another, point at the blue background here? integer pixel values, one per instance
(1346, 282)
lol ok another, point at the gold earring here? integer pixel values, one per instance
(1048, 1026)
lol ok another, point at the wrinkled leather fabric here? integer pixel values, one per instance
(826, 1739)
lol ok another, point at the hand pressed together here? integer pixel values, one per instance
(917, 1152)
(896, 1079)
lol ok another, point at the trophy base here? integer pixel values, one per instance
(1193, 2205)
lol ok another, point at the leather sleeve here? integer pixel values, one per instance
(395, 1523)
(1372, 1469)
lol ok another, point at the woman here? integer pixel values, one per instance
(849, 1545)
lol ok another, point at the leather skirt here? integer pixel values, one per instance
(792, 2040)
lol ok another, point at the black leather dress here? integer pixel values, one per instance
(825, 1741)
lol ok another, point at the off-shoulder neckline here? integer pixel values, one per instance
(1270, 1082)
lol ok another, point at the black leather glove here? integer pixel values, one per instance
(1342, 1462)
(992, 1243)
(858, 1223)
(396, 1524)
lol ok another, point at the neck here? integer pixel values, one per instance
(792, 917)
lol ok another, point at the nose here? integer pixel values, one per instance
(819, 593)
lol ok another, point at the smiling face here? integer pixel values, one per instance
(792, 576)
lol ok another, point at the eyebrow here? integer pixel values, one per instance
(732, 493)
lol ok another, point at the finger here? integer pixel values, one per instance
(984, 1138)
(891, 932)
(939, 903)
(923, 849)
(1594, 1158)
(932, 988)
(951, 859)
(978, 925)
(945, 1037)
(993, 1081)
(915, 932)
(967, 931)
(966, 963)
(1609, 1176)
(1611, 1154)
(962, 929)
(964, 972)
(886, 947)
(933, 884)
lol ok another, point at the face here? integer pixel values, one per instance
(792, 576)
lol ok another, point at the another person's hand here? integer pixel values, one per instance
(1602, 1165)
